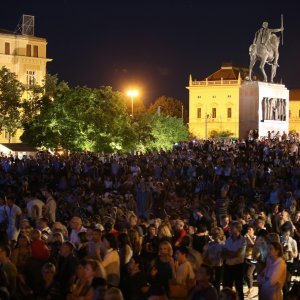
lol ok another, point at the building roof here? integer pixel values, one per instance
(19, 147)
(6, 31)
(229, 72)
(20, 35)
(295, 95)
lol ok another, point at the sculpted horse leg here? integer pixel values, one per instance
(273, 72)
(262, 68)
(252, 63)
(274, 43)
(253, 58)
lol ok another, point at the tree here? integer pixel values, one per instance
(220, 134)
(138, 106)
(159, 132)
(11, 91)
(38, 119)
(83, 119)
(168, 107)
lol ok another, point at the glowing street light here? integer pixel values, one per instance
(132, 94)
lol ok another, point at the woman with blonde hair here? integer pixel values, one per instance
(164, 233)
(163, 268)
(212, 254)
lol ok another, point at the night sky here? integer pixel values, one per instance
(154, 45)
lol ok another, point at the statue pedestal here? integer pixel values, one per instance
(264, 107)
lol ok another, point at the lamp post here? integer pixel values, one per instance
(132, 94)
(206, 120)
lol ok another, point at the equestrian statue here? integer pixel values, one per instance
(265, 49)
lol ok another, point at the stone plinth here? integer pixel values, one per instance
(263, 106)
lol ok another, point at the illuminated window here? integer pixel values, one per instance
(35, 51)
(214, 113)
(290, 113)
(229, 112)
(28, 50)
(199, 113)
(299, 113)
(7, 48)
(30, 78)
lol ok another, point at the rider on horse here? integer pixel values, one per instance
(263, 37)
(265, 49)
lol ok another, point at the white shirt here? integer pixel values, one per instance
(111, 263)
(31, 204)
(184, 272)
(12, 213)
(74, 239)
(272, 279)
(291, 245)
(51, 205)
(236, 245)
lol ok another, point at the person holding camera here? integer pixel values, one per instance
(290, 249)
(290, 252)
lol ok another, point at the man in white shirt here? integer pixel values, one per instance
(76, 225)
(290, 249)
(184, 271)
(34, 207)
(13, 213)
(50, 206)
(234, 255)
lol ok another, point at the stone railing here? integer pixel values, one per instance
(216, 82)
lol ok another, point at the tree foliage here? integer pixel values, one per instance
(11, 91)
(82, 119)
(159, 132)
(220, 134)
(168, 106)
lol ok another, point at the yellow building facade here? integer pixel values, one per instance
(26, 56)
(294, 111)
(214, 102)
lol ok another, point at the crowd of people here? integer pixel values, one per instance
(199, 222)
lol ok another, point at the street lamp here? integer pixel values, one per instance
(132, 94)
(206, 120)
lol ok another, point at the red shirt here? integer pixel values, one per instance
(39, 250)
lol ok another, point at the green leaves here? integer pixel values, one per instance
(220, 134)
(11, 91)
(85, 119)
(159, 132)
(168, 106)
(82, 119)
